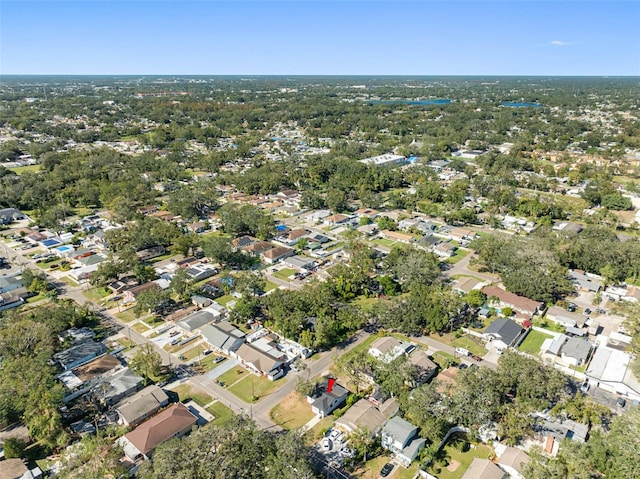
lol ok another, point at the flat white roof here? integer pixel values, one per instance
(608, 365)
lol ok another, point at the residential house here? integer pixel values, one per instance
(337, 219)
(117, 386)
(395, 236)
(483, 469)
(222, 336)
(243, 241)
(575, 351)
(368, 230)
(257, 248)
(401, 438)
(300, 262)
(198, 227)
(511, 460)
(175, 421)
(462, 234)
(11, 215)
(466, 284)
(77, 335)
(425, 368)
(260, 362)
(318, 216)
(276, 254)
(503, 333)
(17, 469)
(131, 295)
(142, 405)
(199, 272)
(445, 249)
(563, 317)
(525, 306)
(79, 354)
(585, 282)
(366, 415)
(292, 237)
(9, 283)
(327, 397)
(387, 349)
(610, 369)
(367, 213)
(150, 253)
(196, 321)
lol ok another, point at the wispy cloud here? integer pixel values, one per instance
(558, 43)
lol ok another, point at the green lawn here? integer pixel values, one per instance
(186, 392)
(269, 286)
(464, 459)
(208, 363)
(409, 473)
(69, 280)
(127, 316)
(253, 388)
(384, 242)
(442, 358)
(153, 321)
(371, 468)
(533, 342)
(221, 412)
(224, 300)
(292, 412)
(474, 345)
(366, 304)
(96, 294)
(233, 375)
(126, 343)
(24, 169)
(140, 327)
(284, 274)
(459, 254)
(193, 353)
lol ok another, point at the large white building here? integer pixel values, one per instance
(387, 159)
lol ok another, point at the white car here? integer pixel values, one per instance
(335, 434)
(327, 444)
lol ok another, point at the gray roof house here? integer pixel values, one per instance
(222, 336)
(483, 469)
(9, 215)
(196, 320)
(576, 350)
(9, 283)
(79, 354)
(503, 333)
(401, 438)
(141, 405)
(113, 388)
(327, 396)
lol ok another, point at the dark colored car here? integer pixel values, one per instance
(622, 402)
(476, 357)
(386, 469)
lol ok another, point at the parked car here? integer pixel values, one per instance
(207, 352)
(327, 444)
(621, 402)
(475, 357)
(386, 469)
(587, 311)
(174, 333)
(219, 359)
(584, 387)
(174, 341)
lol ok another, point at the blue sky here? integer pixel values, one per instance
(312, 38)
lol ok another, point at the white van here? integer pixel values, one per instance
(463, 352)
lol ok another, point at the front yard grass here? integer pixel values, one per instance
(533, 342)
(459, 255)
(140, 327)
(462, 461)
(253, 388)
(284, 274)
(233, 375)
(192, 353)
(384, 242)
(96, 294)
(153, 321)
(221, 412)
(473, 345)
(269, 286)
(186, 392)
(224, 300)
(127, 315)
(292, 412)
(208, 363)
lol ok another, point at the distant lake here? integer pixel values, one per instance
(441, 101)
(516, 104)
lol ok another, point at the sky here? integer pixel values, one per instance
(384, 37)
